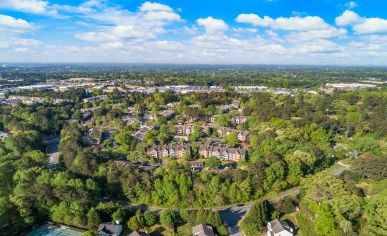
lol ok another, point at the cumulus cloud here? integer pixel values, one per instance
(147, 23)
(212, 25)
(30, 6)
(11, 30)
(348, 18)
(371, 25)
(115, 34)
(154, 6)
(362, 25)
(282, 23)
(254, 19)
(13, 23)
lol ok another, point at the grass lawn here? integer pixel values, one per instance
(159, 230)
(156, 230)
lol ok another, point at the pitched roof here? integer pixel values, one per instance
(202, 230)
(110, 228)
(278, 226)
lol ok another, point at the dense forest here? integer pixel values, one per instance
(222, 75)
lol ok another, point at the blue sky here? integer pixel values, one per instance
(338, 32)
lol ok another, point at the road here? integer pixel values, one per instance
(343, 168)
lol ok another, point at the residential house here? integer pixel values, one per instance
(239, 119)
(196, 166)
(167, 114)
(184, 129)
(235, 104)
(202, 230)
(142, 131)
(243, 135)
(129, 120)
(279, 228)
(169, 150)
(223, 152)
(109, 229)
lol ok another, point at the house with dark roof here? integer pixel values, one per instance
(109, 229)
(279, 228)
(202, 230)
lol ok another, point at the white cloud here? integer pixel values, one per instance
(319, 46)
(153, 6)
(162, 15)
(254, 19)
(13, 23)
(244, 30)
(351, 4)
(282, 23)
(212, 25)
(348, 18)
(317, 34)
(30, 6)
(362, 25)
(116, 34)
(10, 31)
(371, 25)
(300, 23)
(118, 25)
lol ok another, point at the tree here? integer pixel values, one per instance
(150, 218)
(168, 218)
(375, 168)
(118, 215)
(133, 223)
(232, 139)
(214, 163)
(375, 212)
(257, 217)
(325, 221)
(367, 144)
(93, 219)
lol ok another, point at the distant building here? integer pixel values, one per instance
(109, 229)
(170, 150)
(202, 230)
(348, 86)
(223, 152)
(279, 228)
